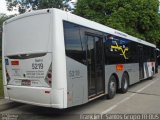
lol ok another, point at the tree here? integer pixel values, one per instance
(2, 19)
(50, 4)
(138, 18)
(23, 5)
(27, 5)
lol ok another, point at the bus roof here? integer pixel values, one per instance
(84, 22)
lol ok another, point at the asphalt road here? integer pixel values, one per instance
(143, 97)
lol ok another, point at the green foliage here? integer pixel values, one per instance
(2, 19)
(36, 4)
(24, 5)
(138, 18)
(50, 4)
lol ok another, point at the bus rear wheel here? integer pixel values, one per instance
(112, 86)
(124, 83)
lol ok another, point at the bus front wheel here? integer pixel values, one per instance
(112, 86)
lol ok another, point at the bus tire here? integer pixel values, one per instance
(124, 83)
(112, 86)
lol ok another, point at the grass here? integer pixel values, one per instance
(1, 85)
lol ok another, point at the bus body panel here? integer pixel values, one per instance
(25, 39)
(28, 70)
(6, 96)
(32, 95)
(76, 82)
(57, 98)
(131, 69)
(59, 59)
(3, 60)
(149, 69)
(28, 35)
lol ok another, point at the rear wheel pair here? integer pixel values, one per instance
(112, 85)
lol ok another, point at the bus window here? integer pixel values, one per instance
(73, 43)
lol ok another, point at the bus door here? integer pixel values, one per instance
(141, 68)
(95, 65)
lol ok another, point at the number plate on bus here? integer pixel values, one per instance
(26, 83)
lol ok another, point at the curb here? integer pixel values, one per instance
(9, 105)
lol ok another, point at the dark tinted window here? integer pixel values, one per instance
(153, 54)
(146, 53)
(120, 50)
(132, 52)
(116, 49)
(149, 53)
(73, 44)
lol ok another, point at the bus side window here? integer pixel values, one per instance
(73, 43)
